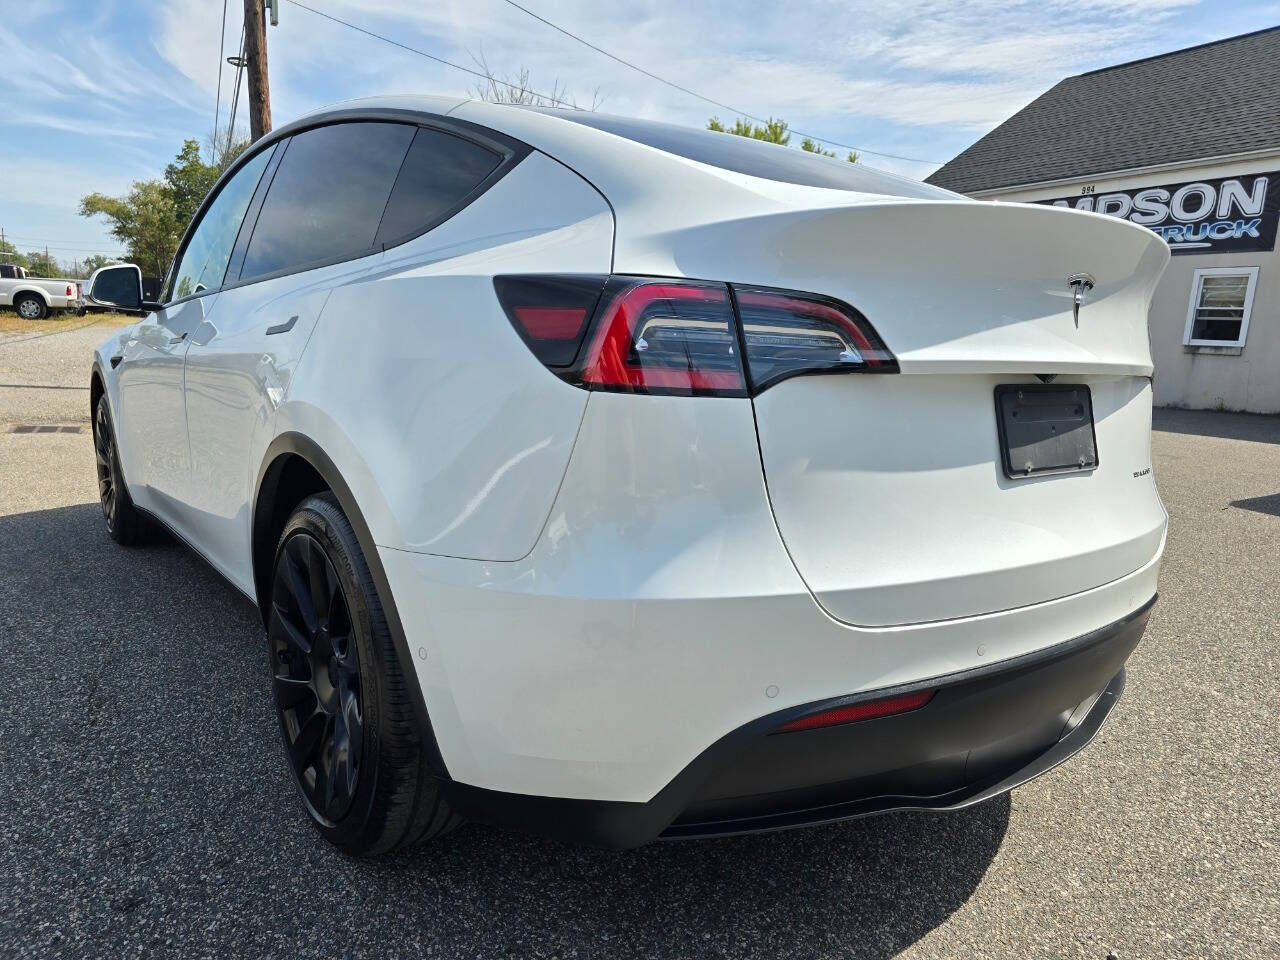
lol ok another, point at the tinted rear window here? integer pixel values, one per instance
(438, 174)
(754, 158)
(328, 196)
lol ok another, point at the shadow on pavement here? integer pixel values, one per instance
(1260, 428)
(1268, 504)
(867, 888)
(151, 810)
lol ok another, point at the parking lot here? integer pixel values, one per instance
(147, 809)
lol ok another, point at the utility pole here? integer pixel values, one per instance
(255, 55)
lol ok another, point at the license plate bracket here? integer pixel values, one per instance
(1045, 428)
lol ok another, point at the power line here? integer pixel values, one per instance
(33, 239)
(692, 93)
(222, 49)
(41, 248)
(235, 95)
(430, 56)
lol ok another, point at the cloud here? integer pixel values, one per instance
(920, 78)
(955, 64)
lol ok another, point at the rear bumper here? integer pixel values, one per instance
(986, 731)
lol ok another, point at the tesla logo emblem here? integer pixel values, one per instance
(1080, 285)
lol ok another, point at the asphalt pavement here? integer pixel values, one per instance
(146, 809)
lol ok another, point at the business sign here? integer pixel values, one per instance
(1223, 215)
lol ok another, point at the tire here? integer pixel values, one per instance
(127, 525)
(351, 735)
(30, 307)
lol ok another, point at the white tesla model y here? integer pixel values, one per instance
(615, 480)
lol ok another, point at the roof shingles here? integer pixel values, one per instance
(1212, 100)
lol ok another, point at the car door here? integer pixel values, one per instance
(151, 373)
(317, 227)
(152, 427)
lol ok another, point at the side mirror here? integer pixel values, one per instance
(118, 286)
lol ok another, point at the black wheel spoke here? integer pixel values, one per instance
(306, 749)
(290, 630)
(322, 584)
(351, 717)
(299, 586)
(344, 771)
(293, 692)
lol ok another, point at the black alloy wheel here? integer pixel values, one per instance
(315, 663)
(127, 524)
(104, 452)
(354, 740)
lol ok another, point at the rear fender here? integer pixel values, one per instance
(19, 291)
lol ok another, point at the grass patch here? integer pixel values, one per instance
(11, 323)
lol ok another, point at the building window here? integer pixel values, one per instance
(1221, 300)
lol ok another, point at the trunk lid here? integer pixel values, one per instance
(889, 491)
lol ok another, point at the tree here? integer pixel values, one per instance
(518, 88)
(151, 219)
(42, 265)
(774, 131)
(9, 254)
(223, 150)
(96, 260)
(145, 221)
(189, 180)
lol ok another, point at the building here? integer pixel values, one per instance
(1186, 144)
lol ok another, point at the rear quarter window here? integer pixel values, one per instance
(440, 173)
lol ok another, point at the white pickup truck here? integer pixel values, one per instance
(34, 297)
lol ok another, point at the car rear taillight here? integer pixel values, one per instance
(787, 334)
(685, 337)
(550, 313)
(870, 710)
(662, 336)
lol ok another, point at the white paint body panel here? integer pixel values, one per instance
(656, 610)
(895, 507)
(596, 587)
(236, 377)
(453, 437)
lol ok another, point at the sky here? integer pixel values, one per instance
(99, 93)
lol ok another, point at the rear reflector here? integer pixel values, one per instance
(788, 334)
(860, 711)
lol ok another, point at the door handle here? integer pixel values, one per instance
(283, 327)
(178, 339)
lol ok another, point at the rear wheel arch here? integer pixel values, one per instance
(33, 291)
(294, 468)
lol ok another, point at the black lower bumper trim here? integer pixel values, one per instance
(985, 732)
(1063, 750)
